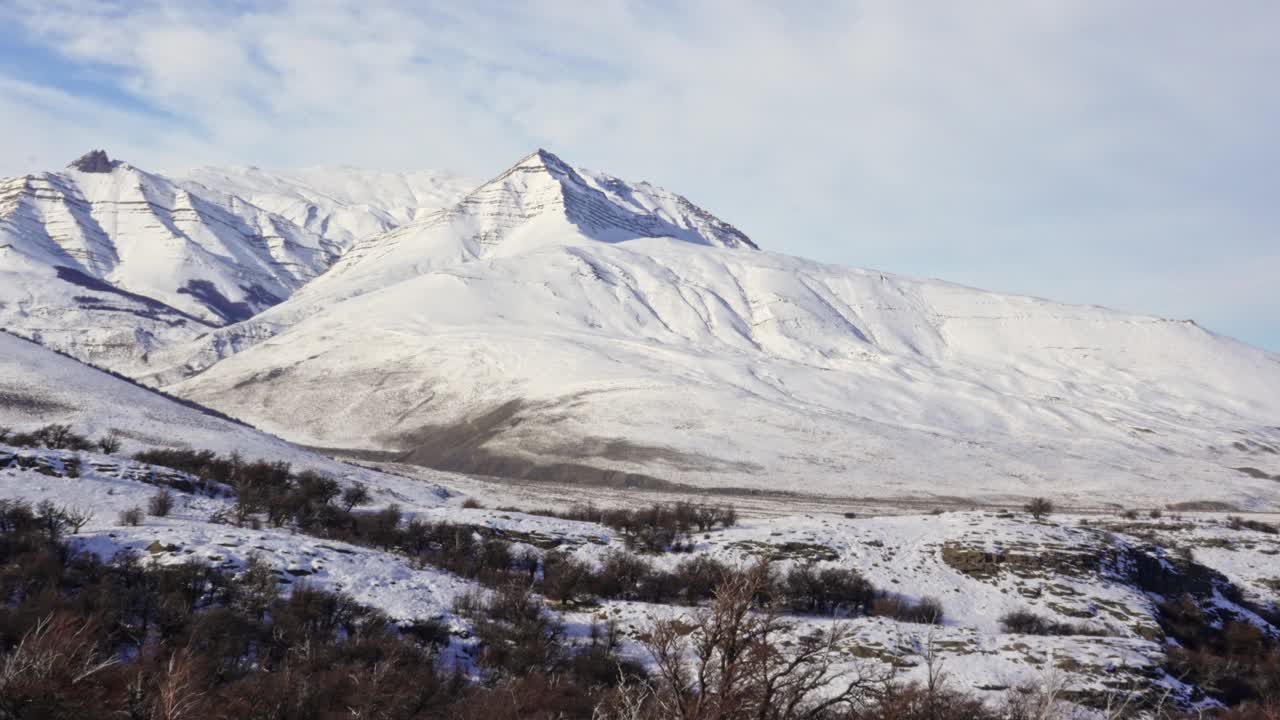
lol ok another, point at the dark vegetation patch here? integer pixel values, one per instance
(84, 638)
(1026, 561)
(791, 550)
(1235, 522)
(13, 399)
(54, 436)
(317, 505)
(272, 374)
(1026, 622)
(1202, 506)
(661, 527)
(622, 450)
(1220, 652)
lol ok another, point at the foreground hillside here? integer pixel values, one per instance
(1098, 612)
(39, 388)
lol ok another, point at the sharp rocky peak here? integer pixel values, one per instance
(94, 161)
(546, 160)
(604, 207)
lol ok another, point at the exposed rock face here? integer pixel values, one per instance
(94, 161)
(1021, 560)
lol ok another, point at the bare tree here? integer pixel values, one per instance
(176, 694)
(729, 663)
(52, 519)
(77, 517)
(58, 652)
(357, 493)
(1039, 507)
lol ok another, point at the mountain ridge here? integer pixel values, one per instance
(563, 324)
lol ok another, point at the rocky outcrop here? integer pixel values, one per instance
(983, 562)
(94, 161)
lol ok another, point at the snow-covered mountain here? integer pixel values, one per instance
(110, 262)
(339, 204)
(561, 324)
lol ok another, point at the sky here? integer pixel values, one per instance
(1124, 154)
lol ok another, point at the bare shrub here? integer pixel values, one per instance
(52, 666)
(726, 663)
(470, 603)
(161, 503)
(926, 610)
(566, 579)
(131, 517)
(1023, 622)
(1235, 522)
(54, 436)
(516, 632)
(177, 694)
(1039, 508)
(1026, 622)
(110, 444)
(827, 591)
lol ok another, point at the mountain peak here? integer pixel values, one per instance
(603, 206)
(543, 158)
(543, 161)
(94, 161)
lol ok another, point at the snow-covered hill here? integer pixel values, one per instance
(40, 387)
(567, 325)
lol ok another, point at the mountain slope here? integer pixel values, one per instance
(111, 262)
(539, 200)
(40, 387)
(565, 325)
(339, 204)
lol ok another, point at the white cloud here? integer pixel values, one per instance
(928, 137)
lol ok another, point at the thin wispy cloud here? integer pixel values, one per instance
(1111, 153)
